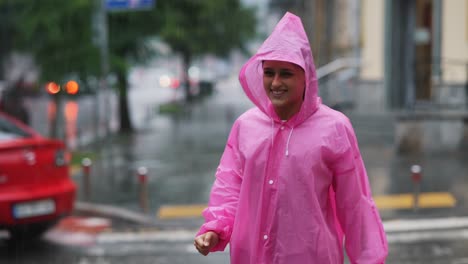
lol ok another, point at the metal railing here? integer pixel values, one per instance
(338, 65)
(433, 81)
(439, 84)
(334, 79)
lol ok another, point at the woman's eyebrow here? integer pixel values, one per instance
(276, 69)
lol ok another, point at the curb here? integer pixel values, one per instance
(135, 218)
(113, 212)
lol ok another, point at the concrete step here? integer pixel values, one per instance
(373, 128)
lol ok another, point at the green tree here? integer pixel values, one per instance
(129, 35)
(196, 27)
(57, 33)
(60, 35)
(6, 26)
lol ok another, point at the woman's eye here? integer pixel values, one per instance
(286, 74)
(268, 73)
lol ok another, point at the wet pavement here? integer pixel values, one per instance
(180, 151)
(440, 246)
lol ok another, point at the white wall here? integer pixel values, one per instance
(373, 19)
(455, 40)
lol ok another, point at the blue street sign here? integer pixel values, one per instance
(126, 5)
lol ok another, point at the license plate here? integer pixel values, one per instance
(36, 208)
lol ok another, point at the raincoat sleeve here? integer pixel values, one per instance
(365, 239)
(222, 207)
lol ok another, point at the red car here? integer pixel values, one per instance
(35, 187)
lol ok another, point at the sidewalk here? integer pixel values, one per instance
(93, 224)
(434, 240)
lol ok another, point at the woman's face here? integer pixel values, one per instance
(284, 83)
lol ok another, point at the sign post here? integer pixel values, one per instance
(101, 24)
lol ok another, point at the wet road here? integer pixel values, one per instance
(447, 246)
(180, 152)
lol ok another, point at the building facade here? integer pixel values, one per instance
(417, 50)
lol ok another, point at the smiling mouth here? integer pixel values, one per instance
(278, 93)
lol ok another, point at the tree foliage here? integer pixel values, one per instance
(58, 34)
(195, 27)
(205, 26)
(62, 38)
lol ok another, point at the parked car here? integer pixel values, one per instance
(35, 187)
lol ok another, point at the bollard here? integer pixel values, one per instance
(143, 181)
(416, 176)
(86, 166)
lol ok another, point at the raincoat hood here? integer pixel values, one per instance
(288, 42)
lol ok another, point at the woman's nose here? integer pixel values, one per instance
(276, 80)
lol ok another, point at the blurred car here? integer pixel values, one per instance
(35, 187)
(204, 79)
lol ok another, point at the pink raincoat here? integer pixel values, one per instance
(289, 192)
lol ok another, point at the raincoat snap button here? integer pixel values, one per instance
(265, 237)
(282, 127)
(270, 181)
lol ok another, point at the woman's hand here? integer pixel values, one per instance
(205, 242)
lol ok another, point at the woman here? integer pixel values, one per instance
(291, 183)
